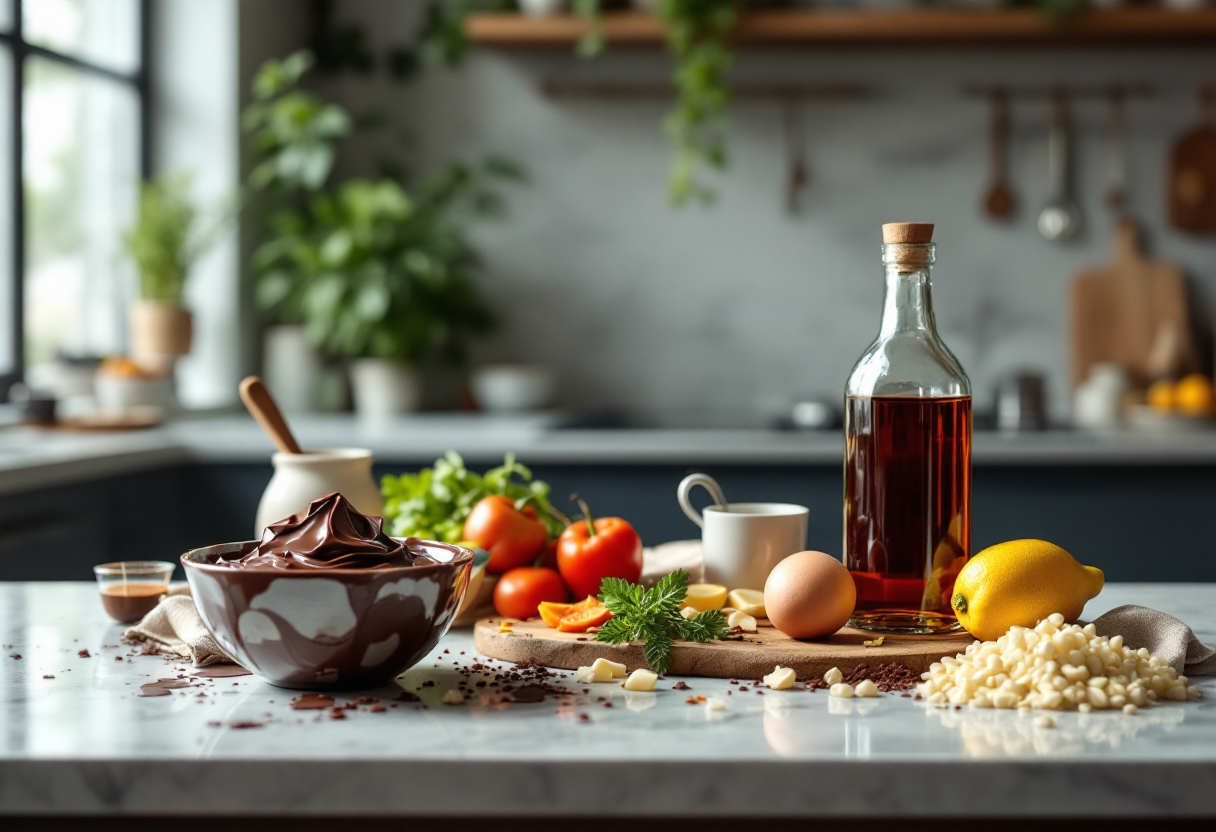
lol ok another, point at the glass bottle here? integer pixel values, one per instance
(907, 470)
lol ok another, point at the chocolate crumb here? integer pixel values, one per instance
(118, 658)
(527, 695)
(742, 688)
(607, 704)
(377, 708)
(337, 713)
(312, 702)
(84, 654)
(406, 696)
(47, 676)
(14, 655)
(584, 718)
(239, 725)
(681, 686)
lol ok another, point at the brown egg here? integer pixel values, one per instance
(809, 594)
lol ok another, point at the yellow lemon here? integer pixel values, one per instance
(1019, 583)
(749, 601)
(702, 597)
(1161, 395)
(1194, 394)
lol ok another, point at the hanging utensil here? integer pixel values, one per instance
(797, 175)
(998, 201)
(1061, 217)
(1116, 194)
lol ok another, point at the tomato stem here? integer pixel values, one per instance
(586, 514)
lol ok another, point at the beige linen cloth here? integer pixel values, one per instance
(175, 627)
(1166, 637)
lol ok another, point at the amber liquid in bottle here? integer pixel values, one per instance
(907, 470)
(907, 507)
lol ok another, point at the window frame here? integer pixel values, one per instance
(139, 81)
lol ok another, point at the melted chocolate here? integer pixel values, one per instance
(128, 603)
(331, 534)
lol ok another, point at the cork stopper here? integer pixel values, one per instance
(908, 246)
(907, 232)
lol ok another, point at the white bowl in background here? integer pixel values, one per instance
(513, 388)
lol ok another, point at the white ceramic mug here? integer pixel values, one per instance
(301, 478)
(742, 542)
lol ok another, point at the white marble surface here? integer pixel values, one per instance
(31, 458)
(83, 742)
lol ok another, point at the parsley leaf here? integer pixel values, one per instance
(653, 616)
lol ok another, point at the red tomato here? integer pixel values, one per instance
(512, 537)
(614, 551)
(520, 591)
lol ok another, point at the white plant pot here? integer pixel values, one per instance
(291, 367)
(383, 389)
(543, 8)
(513, 388)
(301, 478)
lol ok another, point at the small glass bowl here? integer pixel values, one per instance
(131, 589)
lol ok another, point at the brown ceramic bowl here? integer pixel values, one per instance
(332, 629)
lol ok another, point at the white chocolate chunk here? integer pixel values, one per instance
(782, 678)
(715, 704)
(641, 679)
(833, 677)
(615, 670)
(841, 690)
(866, 688)
(1044, 721)
(452, 697)
(750, 601)
(742, 620)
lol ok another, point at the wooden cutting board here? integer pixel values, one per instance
(1128, 309)
(751, 658)
(1192, 180)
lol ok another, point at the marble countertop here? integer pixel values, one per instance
(32, 458)
(84, 743)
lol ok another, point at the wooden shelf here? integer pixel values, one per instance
(912, 27)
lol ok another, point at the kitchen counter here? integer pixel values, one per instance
(32, 458)
(84, 743)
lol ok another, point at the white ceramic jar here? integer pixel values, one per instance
(301, 478)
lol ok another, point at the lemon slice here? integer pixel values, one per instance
(749, 601)
(702, 597)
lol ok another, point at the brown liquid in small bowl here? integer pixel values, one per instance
(130, 602)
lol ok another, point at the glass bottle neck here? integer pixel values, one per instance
(908, 304)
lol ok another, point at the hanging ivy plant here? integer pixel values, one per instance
(698, 37)
(698, 34)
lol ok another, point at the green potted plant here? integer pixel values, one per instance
(379, 275)
(165, 242)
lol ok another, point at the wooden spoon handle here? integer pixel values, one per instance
(263, 408)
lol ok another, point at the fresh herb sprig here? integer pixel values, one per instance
(652, 616)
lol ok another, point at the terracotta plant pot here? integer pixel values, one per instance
(160, 328)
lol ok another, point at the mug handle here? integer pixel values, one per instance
(709, 484)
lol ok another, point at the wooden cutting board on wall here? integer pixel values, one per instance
(1129, 309)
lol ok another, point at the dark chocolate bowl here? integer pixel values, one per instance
(329, 629)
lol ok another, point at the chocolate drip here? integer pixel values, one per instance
(331, 534)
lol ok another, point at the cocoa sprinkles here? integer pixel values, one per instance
(891, 676)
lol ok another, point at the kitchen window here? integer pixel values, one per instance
(74, 139)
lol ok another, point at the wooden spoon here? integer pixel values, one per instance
(998, 202)
(263, 408)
